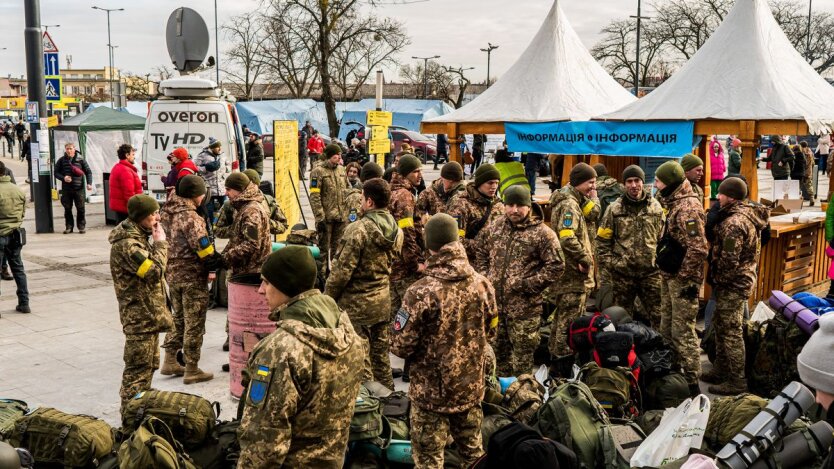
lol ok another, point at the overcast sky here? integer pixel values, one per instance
(453, 29)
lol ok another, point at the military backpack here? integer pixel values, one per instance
(10, 411)
(191, 418)
(772, 350)
(153, 446)
(54, 437)
(523, 397)
(366, 423)
(665, 391)
(612, 388)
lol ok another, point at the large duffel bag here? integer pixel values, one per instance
(191, 418)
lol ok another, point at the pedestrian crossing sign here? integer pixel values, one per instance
(53, 87)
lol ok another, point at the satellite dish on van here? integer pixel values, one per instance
(187, 37)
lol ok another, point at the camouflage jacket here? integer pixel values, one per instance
(520, 261)
(567, 218)
(249, 243)
(359, 278)
(402, 209)
(277, 219)
(302, 386)
(353, 203)
(699, 191)
(435, 200)
(138, 270)
(188, 241)
(327, 192)
(442, 330)
(735, 251)
(685, 222)
(468, 207)
(627, 236)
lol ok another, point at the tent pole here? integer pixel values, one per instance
(703, 152)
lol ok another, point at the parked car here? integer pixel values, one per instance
(425, 147)
(269, 144)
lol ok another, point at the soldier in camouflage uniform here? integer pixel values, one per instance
(608, 188)
(521, 257)
(627, 245)
(192, 263)
(681, 279)
(476, 206)
(694, 169)
(567, 295)
(435, 199)
(248, 240)
(408, 266)
(359, 281)
(327, 199)
(733, 269)
(301, 381)
(353, 196)
(442, 330)
(138, 270)
(277, 219)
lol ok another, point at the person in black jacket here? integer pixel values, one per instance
(71, 170)
(780, 158)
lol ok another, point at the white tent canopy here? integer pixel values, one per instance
(747, 70)
(555, 79)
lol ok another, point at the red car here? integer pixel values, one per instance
(425, 148)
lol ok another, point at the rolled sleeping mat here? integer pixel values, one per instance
(767, 427)
(313, 249)
(801, 448)
(794, 311)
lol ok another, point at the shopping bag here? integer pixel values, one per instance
(680, 429)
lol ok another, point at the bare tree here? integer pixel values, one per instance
(245, 56)
(137, 87)
(288, 53)
(446, 83)
(163, 72)
(616, 50)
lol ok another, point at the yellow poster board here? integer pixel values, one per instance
(385, 118)
(379, 147)
(285, 139)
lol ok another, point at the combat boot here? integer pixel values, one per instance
(731, 387)
(193, 374)
(713, 376)
(170, 366)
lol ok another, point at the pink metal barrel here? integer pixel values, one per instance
(248, 323)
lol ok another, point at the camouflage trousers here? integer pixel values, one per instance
(677, 325)
(567, 307)
(141, 357)
(377, 342)
(189, 304)
(515, 344)
(807, 188)
(627, 288)
(329, 241)
(430, 431)
(727, 321)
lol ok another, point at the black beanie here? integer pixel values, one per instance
(485, 173)
(634, 171)
(370, 170)
(517, 195)
(237, 181)
(440, 230)
(600, 170)
(292, 270)
(452, 171)
(191, 186)
(733, 187)
(407, 164)
(332, 149)
(140, 206)
(580, 173)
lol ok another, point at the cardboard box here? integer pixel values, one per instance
(783, 206)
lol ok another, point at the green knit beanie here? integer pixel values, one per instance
(191, 186)
(733, 187)
(670, 173)
(517, 195)
(690, 162)
(237, 181)
(292, 270)
(370, 170)
(253, 176)
(140, 206)
(485, 173)
(440, 230)
(600, 169)
(634, 171)
(332, 149)
(580, 173)
(407, 164)
(452, 171)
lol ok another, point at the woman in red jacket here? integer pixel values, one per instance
(124, 181)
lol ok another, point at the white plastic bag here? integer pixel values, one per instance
(762, 313)
(679, 430)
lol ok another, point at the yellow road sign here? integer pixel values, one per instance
(52, 121)
(379, 132)
(376, 147)
(385, 118)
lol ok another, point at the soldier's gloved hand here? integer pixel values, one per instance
(690, 292)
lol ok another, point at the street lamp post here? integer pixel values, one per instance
(425, 73)
(639, 18)
(808, 47)
(47, 26)
(488, 51)
(109, 49)
(216, 47)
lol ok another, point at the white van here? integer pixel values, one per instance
(190, 112)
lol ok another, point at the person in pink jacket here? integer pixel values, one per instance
(717, 167)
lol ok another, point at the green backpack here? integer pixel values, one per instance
(666, 391)
(610, 387)
(774, 346)
(54, 437)
(10, 411)
(366, 423)
(191, 418)
(573, 416)
(153, 446)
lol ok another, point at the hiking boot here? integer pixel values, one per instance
(225, 367)
(81, 231)
(713, 376)
(170, 366)
(226, 344)
(68, 231)
(730, 387)
(193, 374)
(6, 274)
(23, 309)
(396, 372)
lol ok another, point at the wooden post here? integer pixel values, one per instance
(567, 165)
(749, 141)
(454, 144)
(594, 160)
(703, 152)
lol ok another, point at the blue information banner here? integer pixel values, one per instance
(650, 139)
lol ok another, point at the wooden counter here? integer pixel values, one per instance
(793, 261)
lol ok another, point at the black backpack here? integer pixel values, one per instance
(520, 446)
